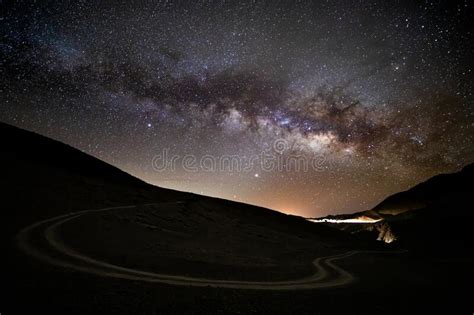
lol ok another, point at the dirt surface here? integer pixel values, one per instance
(191, 236)
(325, 273)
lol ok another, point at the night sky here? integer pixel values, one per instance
(372, 96)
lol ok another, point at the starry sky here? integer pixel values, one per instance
(306, 107)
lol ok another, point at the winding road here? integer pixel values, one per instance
(55, 251)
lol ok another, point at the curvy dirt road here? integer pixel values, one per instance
(41, 240)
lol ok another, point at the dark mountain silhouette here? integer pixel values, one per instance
(43, 178)
(438, 189)
(433, 215)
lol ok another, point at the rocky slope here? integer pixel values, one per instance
(434, 213)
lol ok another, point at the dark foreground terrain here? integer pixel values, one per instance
(434, 217)
(68, 252)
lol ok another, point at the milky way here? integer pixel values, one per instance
(374, 96)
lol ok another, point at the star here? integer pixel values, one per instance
(323, 107)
